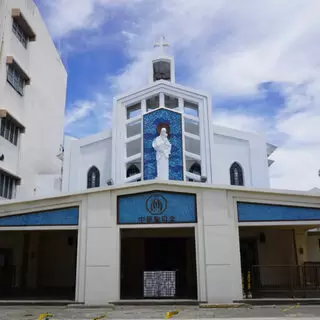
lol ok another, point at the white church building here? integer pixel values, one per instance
(165, 205)
(200, 151)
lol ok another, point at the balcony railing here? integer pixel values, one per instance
(282, 281)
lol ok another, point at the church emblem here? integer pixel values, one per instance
(156, 204)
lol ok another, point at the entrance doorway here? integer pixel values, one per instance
(38, 265)
(158, 263)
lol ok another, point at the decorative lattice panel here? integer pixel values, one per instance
(159, 284)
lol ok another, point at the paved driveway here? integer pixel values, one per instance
(159, 312)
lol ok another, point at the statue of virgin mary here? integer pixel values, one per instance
(162, 146)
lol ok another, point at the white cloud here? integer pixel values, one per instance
(296, 168)
(229, 48)
(89, 116)
(241, 121)
(79, 110)
(66, 16)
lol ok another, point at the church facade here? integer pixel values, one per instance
(199, 150)
(158, 240)
(165, 205)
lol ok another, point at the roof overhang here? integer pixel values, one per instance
(235, 192)
(161, 85)
(4, 114)
(270, 162)
(8, 172)
(15, 64)
(23, 23)
(270, 148)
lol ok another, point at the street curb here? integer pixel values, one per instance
(223, 305)
(91, 306)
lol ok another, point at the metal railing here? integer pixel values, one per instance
(282, 281)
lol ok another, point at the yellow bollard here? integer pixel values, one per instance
(171, 314)
(45, 316)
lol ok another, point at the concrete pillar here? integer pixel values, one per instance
(301, 246)
(33, 260)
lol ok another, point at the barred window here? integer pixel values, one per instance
(19, 33)
(93, 178)
(236, 174)
(16, 78)
(9, 130)
(8, 185)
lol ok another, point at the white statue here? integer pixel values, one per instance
(163, 148)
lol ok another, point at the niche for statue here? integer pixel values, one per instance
(162, 146)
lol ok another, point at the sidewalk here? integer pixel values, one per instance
(159, 312)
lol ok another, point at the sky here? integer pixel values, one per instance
(258, 60)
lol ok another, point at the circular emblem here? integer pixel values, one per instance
(156, 204)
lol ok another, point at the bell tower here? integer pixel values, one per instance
(162, 67)
(163, 131)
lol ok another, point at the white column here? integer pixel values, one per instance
(143, 106)
(161, 100)
(81, 252)
(181, 105)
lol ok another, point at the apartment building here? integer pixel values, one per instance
(33, 84)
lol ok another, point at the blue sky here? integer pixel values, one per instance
(258, 60)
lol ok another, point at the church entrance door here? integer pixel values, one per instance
(158, 264)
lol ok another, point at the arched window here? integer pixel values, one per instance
(236, 174)
(195, 169)
(132, 170)
(93, 178)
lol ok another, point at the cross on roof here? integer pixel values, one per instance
(162, 43)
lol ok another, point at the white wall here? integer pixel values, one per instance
(11, 155)
(44, 117)
(102, 251)
(41, 108)
(80, 155)
(96, 154)
(249, 150)
(218, 264)
(47, 185)
(230, 150)
(222, 259)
